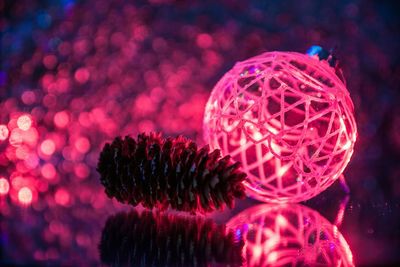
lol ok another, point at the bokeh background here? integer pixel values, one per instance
(75, 74)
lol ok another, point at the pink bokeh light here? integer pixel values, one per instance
(61, 119)
(62, 197)
(4, 186)
(48, 147)
(25, 195)
(24, 122)
(3, 132)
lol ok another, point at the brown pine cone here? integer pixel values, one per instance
(158, 172)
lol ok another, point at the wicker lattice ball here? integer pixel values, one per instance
(289, 235)
(288, 118)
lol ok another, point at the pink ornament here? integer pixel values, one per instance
(288, 118)
(289, 235)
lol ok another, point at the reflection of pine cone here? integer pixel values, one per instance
(130, 239)
(158, 172)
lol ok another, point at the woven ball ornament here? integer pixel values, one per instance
(288, 118)
(289, 235)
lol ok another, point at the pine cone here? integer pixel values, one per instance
(130, 239)
(158, 172)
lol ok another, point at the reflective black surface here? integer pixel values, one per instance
(66, 236)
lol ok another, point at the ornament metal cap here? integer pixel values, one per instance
(328, 56)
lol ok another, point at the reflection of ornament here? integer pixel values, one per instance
(169, 172)
(288, 118)
(147, 239)
(289, 235)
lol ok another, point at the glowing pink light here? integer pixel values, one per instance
(144, 105)
(48, 171)
(17, 182)
(48, 147)
(31, 161)
(42, 186)
(82, 144)
(62, 85)
(82, 170)
(4, 186)
(24, 122)
(21, 167)
(82, 75)
(15, 137)
(85, 119)
(25, 195)
(28, 97)
(30, 136)
(98, 115)
(22, 152)
(3, 132)
(61, 119)
(62, 197)
(50, 61)
(146, 126)
(281, 221)
(47, 81)
(272, 257)
(288, 119)
(204, 40)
